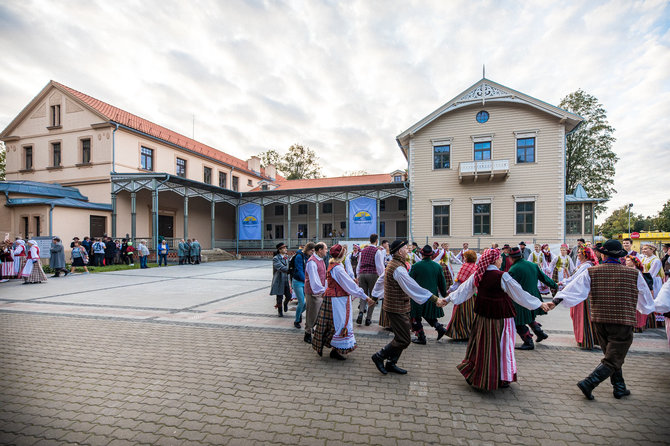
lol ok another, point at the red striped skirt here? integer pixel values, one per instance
(461, 320)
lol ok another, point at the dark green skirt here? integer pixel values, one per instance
(524, 315)
(428, 310)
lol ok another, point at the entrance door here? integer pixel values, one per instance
(279, 231)
(98, 225)
(166, 226)
(302, 231)
(327, 230)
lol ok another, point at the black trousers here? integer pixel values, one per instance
(402, 336)
(615, 340)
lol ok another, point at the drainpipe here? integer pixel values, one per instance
(51, 219)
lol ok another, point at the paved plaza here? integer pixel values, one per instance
(196, 355)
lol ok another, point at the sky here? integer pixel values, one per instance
(346, 77)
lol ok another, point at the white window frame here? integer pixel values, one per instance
(441, 142)
(440, 202)
(482, 138)
(526, 199)
(481, 200)
(523, 134)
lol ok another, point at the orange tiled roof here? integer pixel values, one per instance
(135, 122)
(359, 180)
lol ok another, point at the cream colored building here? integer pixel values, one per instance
(488, 167)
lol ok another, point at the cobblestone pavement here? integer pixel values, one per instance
(73, 373)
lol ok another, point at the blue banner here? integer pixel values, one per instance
(249, 224)
(362, 217)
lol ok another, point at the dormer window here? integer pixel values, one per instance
(397, 178)
(55, 115)
(264, 187)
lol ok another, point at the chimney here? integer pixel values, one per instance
(254, 164)
(271, 171)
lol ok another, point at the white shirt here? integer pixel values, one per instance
(379, 262)
(378, 289)
(440, 254)
(314, 280)
(340, 275)
(580, 270)
(410, 287)
(347, 264)
(662, 301)
(578, 290)
(507, 283)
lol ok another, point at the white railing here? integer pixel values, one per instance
(488, 166)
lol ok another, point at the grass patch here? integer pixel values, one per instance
(104, 269)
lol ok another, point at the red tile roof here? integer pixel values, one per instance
(359, 180)
(122, 117)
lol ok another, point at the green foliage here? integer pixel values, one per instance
(589, 156)
(298, 163)
(617, 222)
(663, 219)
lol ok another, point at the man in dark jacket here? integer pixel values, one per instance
(57, 259)
(527, 274)
(298, 279)
(428, 275)
(110, 250)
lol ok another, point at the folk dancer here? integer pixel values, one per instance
(32, 271)
(506, 262)
(315, 286)
(448, 259)
(415, 254)
(7, 270)
(460, 254)
(525, 252)
(653, 266)
(463, 315)
(351, 262)
(298, 279)
(528, 275)
(634, 262)
(546, 267)
(19, 254)
(489, 361)
(628, 246)
(616, 291)
(428, 275)
(399, 288)
(370, 267)
(662, 304)
(581, 313)
(334, 325)
(562, 265)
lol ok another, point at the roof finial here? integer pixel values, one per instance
(483, 71)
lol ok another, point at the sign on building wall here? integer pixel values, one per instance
(362, 217)
(249, 225)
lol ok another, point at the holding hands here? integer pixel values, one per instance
(548, 306)
(442, 302)
(371, 302)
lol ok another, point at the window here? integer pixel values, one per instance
(402, 204)
(482, 116)
(85, 151)
(249, 183)
(482, 151)
(37, 227)
(573, 218)
(328, 230)
(146, 158)
(28, 157)
(207, 175)
(382, 205)
(382, 229)
(525, 150)
(441, 157)
(55, 116)
(397, 178)
(525, 217)
(279, 231)
(327, 208)
(181, 167)
(343, 225)
(98, 225)
(236, 183)
(223, 180)
(264, 187)
(588, 221)
(441, 220)
(302, 209)
(401, 228)
(55, 152)
(26, 222)
(482, 219)
(302, 230)
(279, 209)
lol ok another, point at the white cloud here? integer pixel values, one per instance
(346, 77)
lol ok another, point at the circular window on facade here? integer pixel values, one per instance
(482, 116)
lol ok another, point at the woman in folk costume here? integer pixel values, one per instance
(463, 314)
(7, 260)
(447, 259)
(536, 256)
(581, 313)
(632, 261)
(489, 359)
(19, 253)
(562, 265)
(33, 272)
(546, 267)
(653, 266)
(334, 325)
(662, 303)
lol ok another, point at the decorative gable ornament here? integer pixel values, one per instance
(482, 92)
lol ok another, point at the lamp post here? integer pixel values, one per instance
(630, 205)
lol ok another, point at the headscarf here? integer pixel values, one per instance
(589, 254)
(21, 242)
(488, 258)
(545, 251)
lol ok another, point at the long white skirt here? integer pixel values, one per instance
(343, 339)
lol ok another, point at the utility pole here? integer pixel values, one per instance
(630, 205)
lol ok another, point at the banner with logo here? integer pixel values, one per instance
(362, 217)
(249, 224)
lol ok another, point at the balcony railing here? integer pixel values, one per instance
(489, 169)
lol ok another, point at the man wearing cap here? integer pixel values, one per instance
(399, 287)
(506, 259)
(527, 273)
(525, 252)
(281, 285)
(616, 292)
(429, 275)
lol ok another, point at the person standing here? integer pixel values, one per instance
(616, 292)
(370, 267)
(652, 265)
(562, 265)
(665, 260)
(181, 251)
(143, 253)
(581, 313)
(429, 275)
(315, 286)
(399, 288)
(506, 262)
(163, 250)
(57, 258)
(110, 248)
(19, 254)
(460, 254)
(662, 305)
(628, 246)
(448, 259)
(33, 272)
(351, 262)
(195, 251)
(463, 315)
(79, 258)
(525, 252)
(575, 251)
(187, 252)
(7, 270)
(280, 280)
(298, 280)
(527, 274)
(98, 249)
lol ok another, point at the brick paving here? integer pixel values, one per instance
(82, 367)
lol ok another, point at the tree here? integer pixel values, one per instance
(355, 173)
(617, 222)
(3, 160)
(589, 156)
(663, 219)
(298, 163)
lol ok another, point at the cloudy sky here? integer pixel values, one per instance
(346, 77)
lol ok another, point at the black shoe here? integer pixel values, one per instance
(441, 331)
(368, 322)
(527, 345)
(378, 359)
(55, 276)
(393, 368)
(336, 355)
(619, 385)
(285, 307)
(600, 374)
(420, 339)
(296, 324)
(503, 384)
(541, 335)
(359, 319)
(307, 338)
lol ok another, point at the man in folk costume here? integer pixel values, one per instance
(616, 292)
(428, 275)
(628, 246)
(33, 272)
(459, 256)
(351, 262)
(315, 286)
(507, 261)
(334, 325)
(527, 274)
(370, 267)
(414, 255)
(489, 361)
(19, 254)
(399, 288)
(525, 252)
